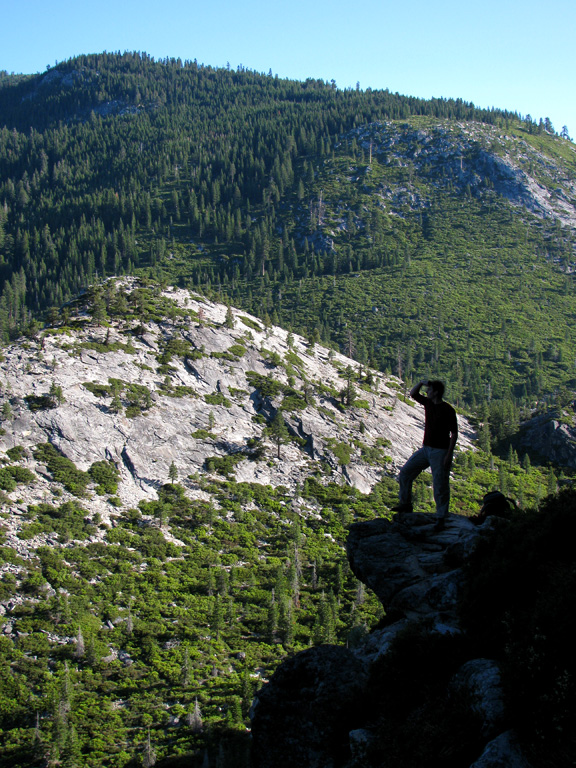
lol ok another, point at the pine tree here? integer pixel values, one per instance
(552, 483)
(277, 431)
(272, 622)
(66, 693)
(71, 752)
(484, 436)
(526, 464)
(80, 649)
(216, 618)
(287, 623)
(194, 718)
(186, 667)
(348, 394)
(149, 757)
(56, 394)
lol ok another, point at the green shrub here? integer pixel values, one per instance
(327, 390)
(68, 520)
(293, 359)
(203, 434)
(31, 530)
(17, 453)
(217, 398)
(98, 390)
(121, 536)
(266, 385)
(181, 390)
(232, 354)
(178, 347)
(166, 370)
(250, 323)
(373, 455)
(138, 395)
(271, 358)
(62, 469)
(21, 474)
(40, 402)
(223, 465)
(102, 348)
(341, 450)
(293, 400)
(105, 475)
(153, 544)
(328, 494)
(7, 482)
(195, 354)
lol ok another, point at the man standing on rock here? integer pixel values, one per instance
(440, 435)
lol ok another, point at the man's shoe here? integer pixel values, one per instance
(440, 524)
(402, 509)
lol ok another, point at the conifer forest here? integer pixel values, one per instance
(417, 238)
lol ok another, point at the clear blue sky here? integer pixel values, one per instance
(502, 53)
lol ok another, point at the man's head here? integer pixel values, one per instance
(436, 390)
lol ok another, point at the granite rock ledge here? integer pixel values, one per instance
(322, 708)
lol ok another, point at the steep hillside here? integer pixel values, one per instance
(177, 482)
(344, 215)
(199, 385)
(447, 255)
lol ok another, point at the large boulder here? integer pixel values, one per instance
(414, 570)
(303, 716)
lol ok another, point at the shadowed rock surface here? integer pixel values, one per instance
(327, 707)
(303, 717)
(413, 569)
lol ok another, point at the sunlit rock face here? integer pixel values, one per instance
(205, 406)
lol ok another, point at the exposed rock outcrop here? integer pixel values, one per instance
(414, 570)
(551, 438)
(476, 158)
(205, 384)
(322, 708)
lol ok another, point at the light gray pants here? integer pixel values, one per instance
(423, 458)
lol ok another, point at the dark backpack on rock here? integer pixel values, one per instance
(494, 504)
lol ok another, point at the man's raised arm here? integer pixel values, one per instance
(415, 391)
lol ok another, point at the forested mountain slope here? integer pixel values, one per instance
(177, 481)
(187, 539)
(421, 236)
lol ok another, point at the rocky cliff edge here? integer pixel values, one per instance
(412, 678)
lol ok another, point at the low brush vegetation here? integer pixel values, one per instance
(185, 605)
